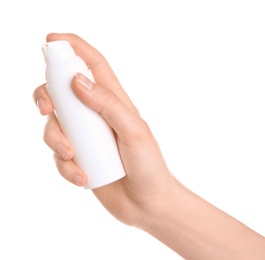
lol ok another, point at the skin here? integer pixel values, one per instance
(149, 197)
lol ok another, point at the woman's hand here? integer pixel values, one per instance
(148, 197)
(148, 179)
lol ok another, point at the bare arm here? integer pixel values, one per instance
(198, 230)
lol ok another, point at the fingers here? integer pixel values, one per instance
(55, 139)
(42, 100)
(95, 61)
(63, 153)
(127, 124)
(70, 171)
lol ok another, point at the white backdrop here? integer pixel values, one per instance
(194, 69)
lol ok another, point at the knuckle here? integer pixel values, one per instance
(140, 132)
(46, 135)
(38, 92)
(109, 99)
(47, 130)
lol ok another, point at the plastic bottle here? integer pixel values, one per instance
(93, 141)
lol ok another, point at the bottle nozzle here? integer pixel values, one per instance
(57, 51)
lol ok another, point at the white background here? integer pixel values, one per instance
(194, 69)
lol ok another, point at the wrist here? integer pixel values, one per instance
(162, 204)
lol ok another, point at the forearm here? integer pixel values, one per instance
(196, 229)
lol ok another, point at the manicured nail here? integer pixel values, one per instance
(63, 152)
(84, 81)
(40, 104)
(79, 180)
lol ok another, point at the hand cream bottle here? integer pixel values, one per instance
(93, 141)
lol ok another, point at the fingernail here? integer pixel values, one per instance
(79, 181)
(63, 152)
(40, 104)
(84, 81)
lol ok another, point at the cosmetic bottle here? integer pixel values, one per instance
(93, 141)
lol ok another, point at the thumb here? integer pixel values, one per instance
(127, 124)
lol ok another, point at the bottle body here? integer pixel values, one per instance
(93, 141)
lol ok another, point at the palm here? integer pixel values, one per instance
(127, 199)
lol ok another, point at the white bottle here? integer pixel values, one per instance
(93, 141)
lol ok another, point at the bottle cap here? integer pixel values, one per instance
(57, 51)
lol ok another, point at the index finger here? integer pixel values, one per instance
(96, 62)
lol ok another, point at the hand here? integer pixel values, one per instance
(148, 180)
(148, 197)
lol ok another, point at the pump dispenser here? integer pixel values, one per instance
(93, 141)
